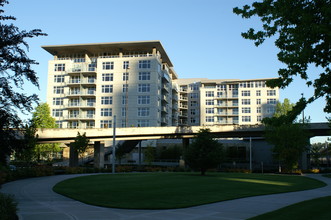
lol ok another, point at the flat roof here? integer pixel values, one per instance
(116, 47)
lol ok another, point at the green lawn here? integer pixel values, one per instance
(311, 209)
(176, 190)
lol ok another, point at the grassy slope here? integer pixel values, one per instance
(175, 190)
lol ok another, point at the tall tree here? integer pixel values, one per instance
(41, 118)
(289, 139)
(15, 69)
(81, 143)
(204, 152)
(302, 32)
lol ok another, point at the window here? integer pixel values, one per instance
(245, 93)
(271, 101)
(258, 101)
(125, 76)
(259, 118)
(123, 123)
(209, 118)
(107, 88)
(107, 65)
(144, 75)
(209, 101)
(246, 118)
(105, 123)
(90, 113)
(144, 64)
(143, 112)
(59, 67)
(124, 100)
(106, 112)
(235, 111)
(209, 110)
(271, 92)
(194, 87)
(74, 102)
(125, 64)
(193, 120)
(258, 92)
(245, 101)
(57, 112)
(258, 110)
(194, 95)
(79, 60)
(58, 78)
(246, 110)
(106, 100)
(271, 110)
(260, 84)
(75, 79)
(125, 88)
(58, 90)
(143, 123)
(194, 103)
(57, 101)
(74, 113)
(123, 112)
(90, 101)
(209, 93)
(193, 111)
(107, 77)
(59, 124)
(143, 100)
(144, 88)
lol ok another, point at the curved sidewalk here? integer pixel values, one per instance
(37, 201)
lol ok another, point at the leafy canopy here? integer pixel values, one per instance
(302, 31)
(15, 69)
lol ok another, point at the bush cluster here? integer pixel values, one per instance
(8, 207)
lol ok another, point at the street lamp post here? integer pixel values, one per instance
(114, 141)
(303, 112)
(126, 96)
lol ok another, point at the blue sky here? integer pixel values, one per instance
(201, 37)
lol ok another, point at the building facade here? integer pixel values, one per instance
(88, 84)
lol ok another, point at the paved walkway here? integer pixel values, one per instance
(37, 201)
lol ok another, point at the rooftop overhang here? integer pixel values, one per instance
(117, 47)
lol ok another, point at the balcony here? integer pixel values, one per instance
(165, 76)
(165, 88)
(79, 81)
(80, 117)
(81, 105)
(80, 93)
(82, 68)
(183, 106)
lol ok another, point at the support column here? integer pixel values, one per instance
(186, 143)
(99, 155)
(73, 157)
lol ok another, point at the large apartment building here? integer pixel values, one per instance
(88, 84)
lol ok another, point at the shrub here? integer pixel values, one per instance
(8, 207)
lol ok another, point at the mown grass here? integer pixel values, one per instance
(311, 209)
(176, 190)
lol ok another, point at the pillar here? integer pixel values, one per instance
(99, 155)
(186, 143)
(73, 157)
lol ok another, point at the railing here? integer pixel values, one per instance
(77, 68)
(80, 116)
(81, 93)
(79, 104)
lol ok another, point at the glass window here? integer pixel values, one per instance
(258, 92)
(59, 124)
(144, 88)
(271, 101)
(245, 93)
(125, 76)
(58, 90)
(246, 118)
(209, 101)
(123, 112)
(209, 118)
(143, 112)
(125, 88)
(271, 92)
(107, 65)
(58, 78)
(245, 101)
(144, 75)
(271, 110)
(107, 88)
(143, 123)
(59, 67)
(246, 110)
(124, 100)
(194, 95)
(194, 87)
(106, 100)
(107, 77)
(143, 99)
(57, 101)
(209, 93)
(144, 64)
(258, 101)
(209, 110)
(125, 64)
(193, 111)
(106, 112)
(194, 103)
(259, 118)
(57, 112)
(258, 110)
(105, 123)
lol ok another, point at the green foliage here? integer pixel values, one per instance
(302, 31)
(8, 207)
(316, 152)
(170, 153)
(41, 117)
(81, 143)
(15, 70)
(283, 108)
(204, 153)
